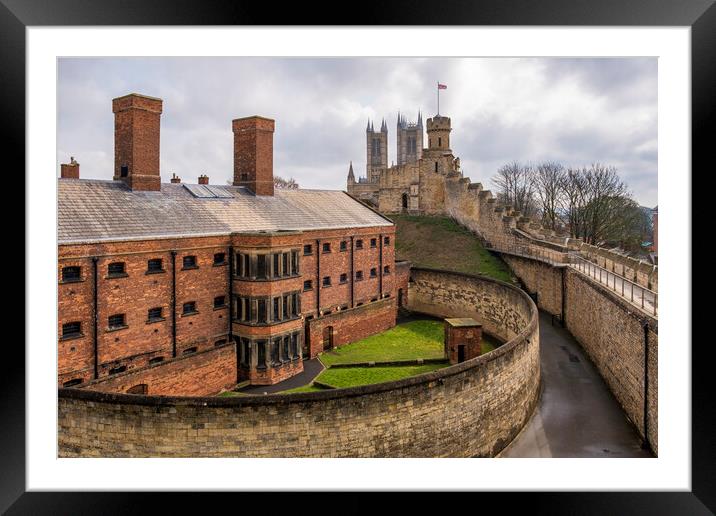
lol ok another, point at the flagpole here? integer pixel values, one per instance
(438, 98)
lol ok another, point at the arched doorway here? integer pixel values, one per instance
(327, 338)
(405, 201)
(141, 388)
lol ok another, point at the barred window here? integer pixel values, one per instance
(373, 272)
(71, 329)
(307, 285)
(326, 281)
(116, 321)
(117, 370)
(344, 245)
(386, 241)
(219, 301)
(115, 269)
(155, 314)
(359, 244)
(154, 265)
(386, 269)
(373, 242)
(72, 273)
(359, 275)
(326, 247)
(307, 249)
(189, 308)
(344, 278)
(219, 258)
(189, 262)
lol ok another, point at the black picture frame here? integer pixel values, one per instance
(700, 15)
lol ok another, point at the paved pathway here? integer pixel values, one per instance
(577, 415)
(311, 369)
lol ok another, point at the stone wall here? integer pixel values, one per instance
(470, 409)
(609, 329)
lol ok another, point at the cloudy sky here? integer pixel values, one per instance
(575, 111)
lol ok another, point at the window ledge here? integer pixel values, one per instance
(114, 276)
(188, 314)
(116, 328)
(223, 307)
(72, 337)
(158, 319)
(65, 282)
(156, 272)
(220, 264)
(190, 268)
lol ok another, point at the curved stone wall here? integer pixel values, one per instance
(471, 409)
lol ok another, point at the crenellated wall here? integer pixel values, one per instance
(472, 409)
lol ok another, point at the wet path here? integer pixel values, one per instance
(311, 369)
(577, 415)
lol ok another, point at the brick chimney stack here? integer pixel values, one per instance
(136, 141)
(253, 154)
(175, 179)
(203, 179)
(70, 170)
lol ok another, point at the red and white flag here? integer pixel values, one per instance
(442, 86)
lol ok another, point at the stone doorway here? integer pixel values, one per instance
(460, 353)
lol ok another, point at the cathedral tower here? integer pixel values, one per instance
(377, 151)
(410, 140)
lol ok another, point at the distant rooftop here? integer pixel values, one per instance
(91, 210)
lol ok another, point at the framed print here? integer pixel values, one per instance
(424, 257)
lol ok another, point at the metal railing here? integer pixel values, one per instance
(642, 297)
(646, 299)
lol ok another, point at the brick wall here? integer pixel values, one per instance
(201, 374)
(351, 325)
(471, 409)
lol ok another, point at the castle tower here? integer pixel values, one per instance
(377, 151)
(136, 141)
(439, 133)
(409, 140)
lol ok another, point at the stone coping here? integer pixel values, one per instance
(425, 379)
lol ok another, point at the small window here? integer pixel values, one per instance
(155, 265)
(276, 264)
(326, 247)
(189, 262)
(359, 275)
(140, 388)
(119, 369)
(116, 321)
(344, 278)
(261, 266)
(294, 262)
(373, 272)
(219, 343)
(307, 285)
(344, 245)
(71, 274)
(386, 241)
(189, 351)
(277, 309)
(440, 142)
(73, 382)
(373, 242)
(123, 171)
(219, 301)
(71, 329)
(189, 308)
(326, 281)
(386, 269)
(155, 314)
(307, 249)
(156, 360)
(359, 244)
(220, 259)
(436, 166)
(116, 269)
(262, 315)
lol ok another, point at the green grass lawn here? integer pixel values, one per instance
(353, 376)
(406, 341)
(228, 394)
(305, 388)
(439, 242)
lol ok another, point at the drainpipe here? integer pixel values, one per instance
(353, 279)
(231, 291)
(564, 297)
(174, 304)
(318, 278)
(95, 317)
(645, 444)
(380, 266)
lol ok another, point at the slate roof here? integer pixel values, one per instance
(91, 210)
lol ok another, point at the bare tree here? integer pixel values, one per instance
(515, 186)
(549, 187)
(287, 184)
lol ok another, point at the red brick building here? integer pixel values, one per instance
(212, 285)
